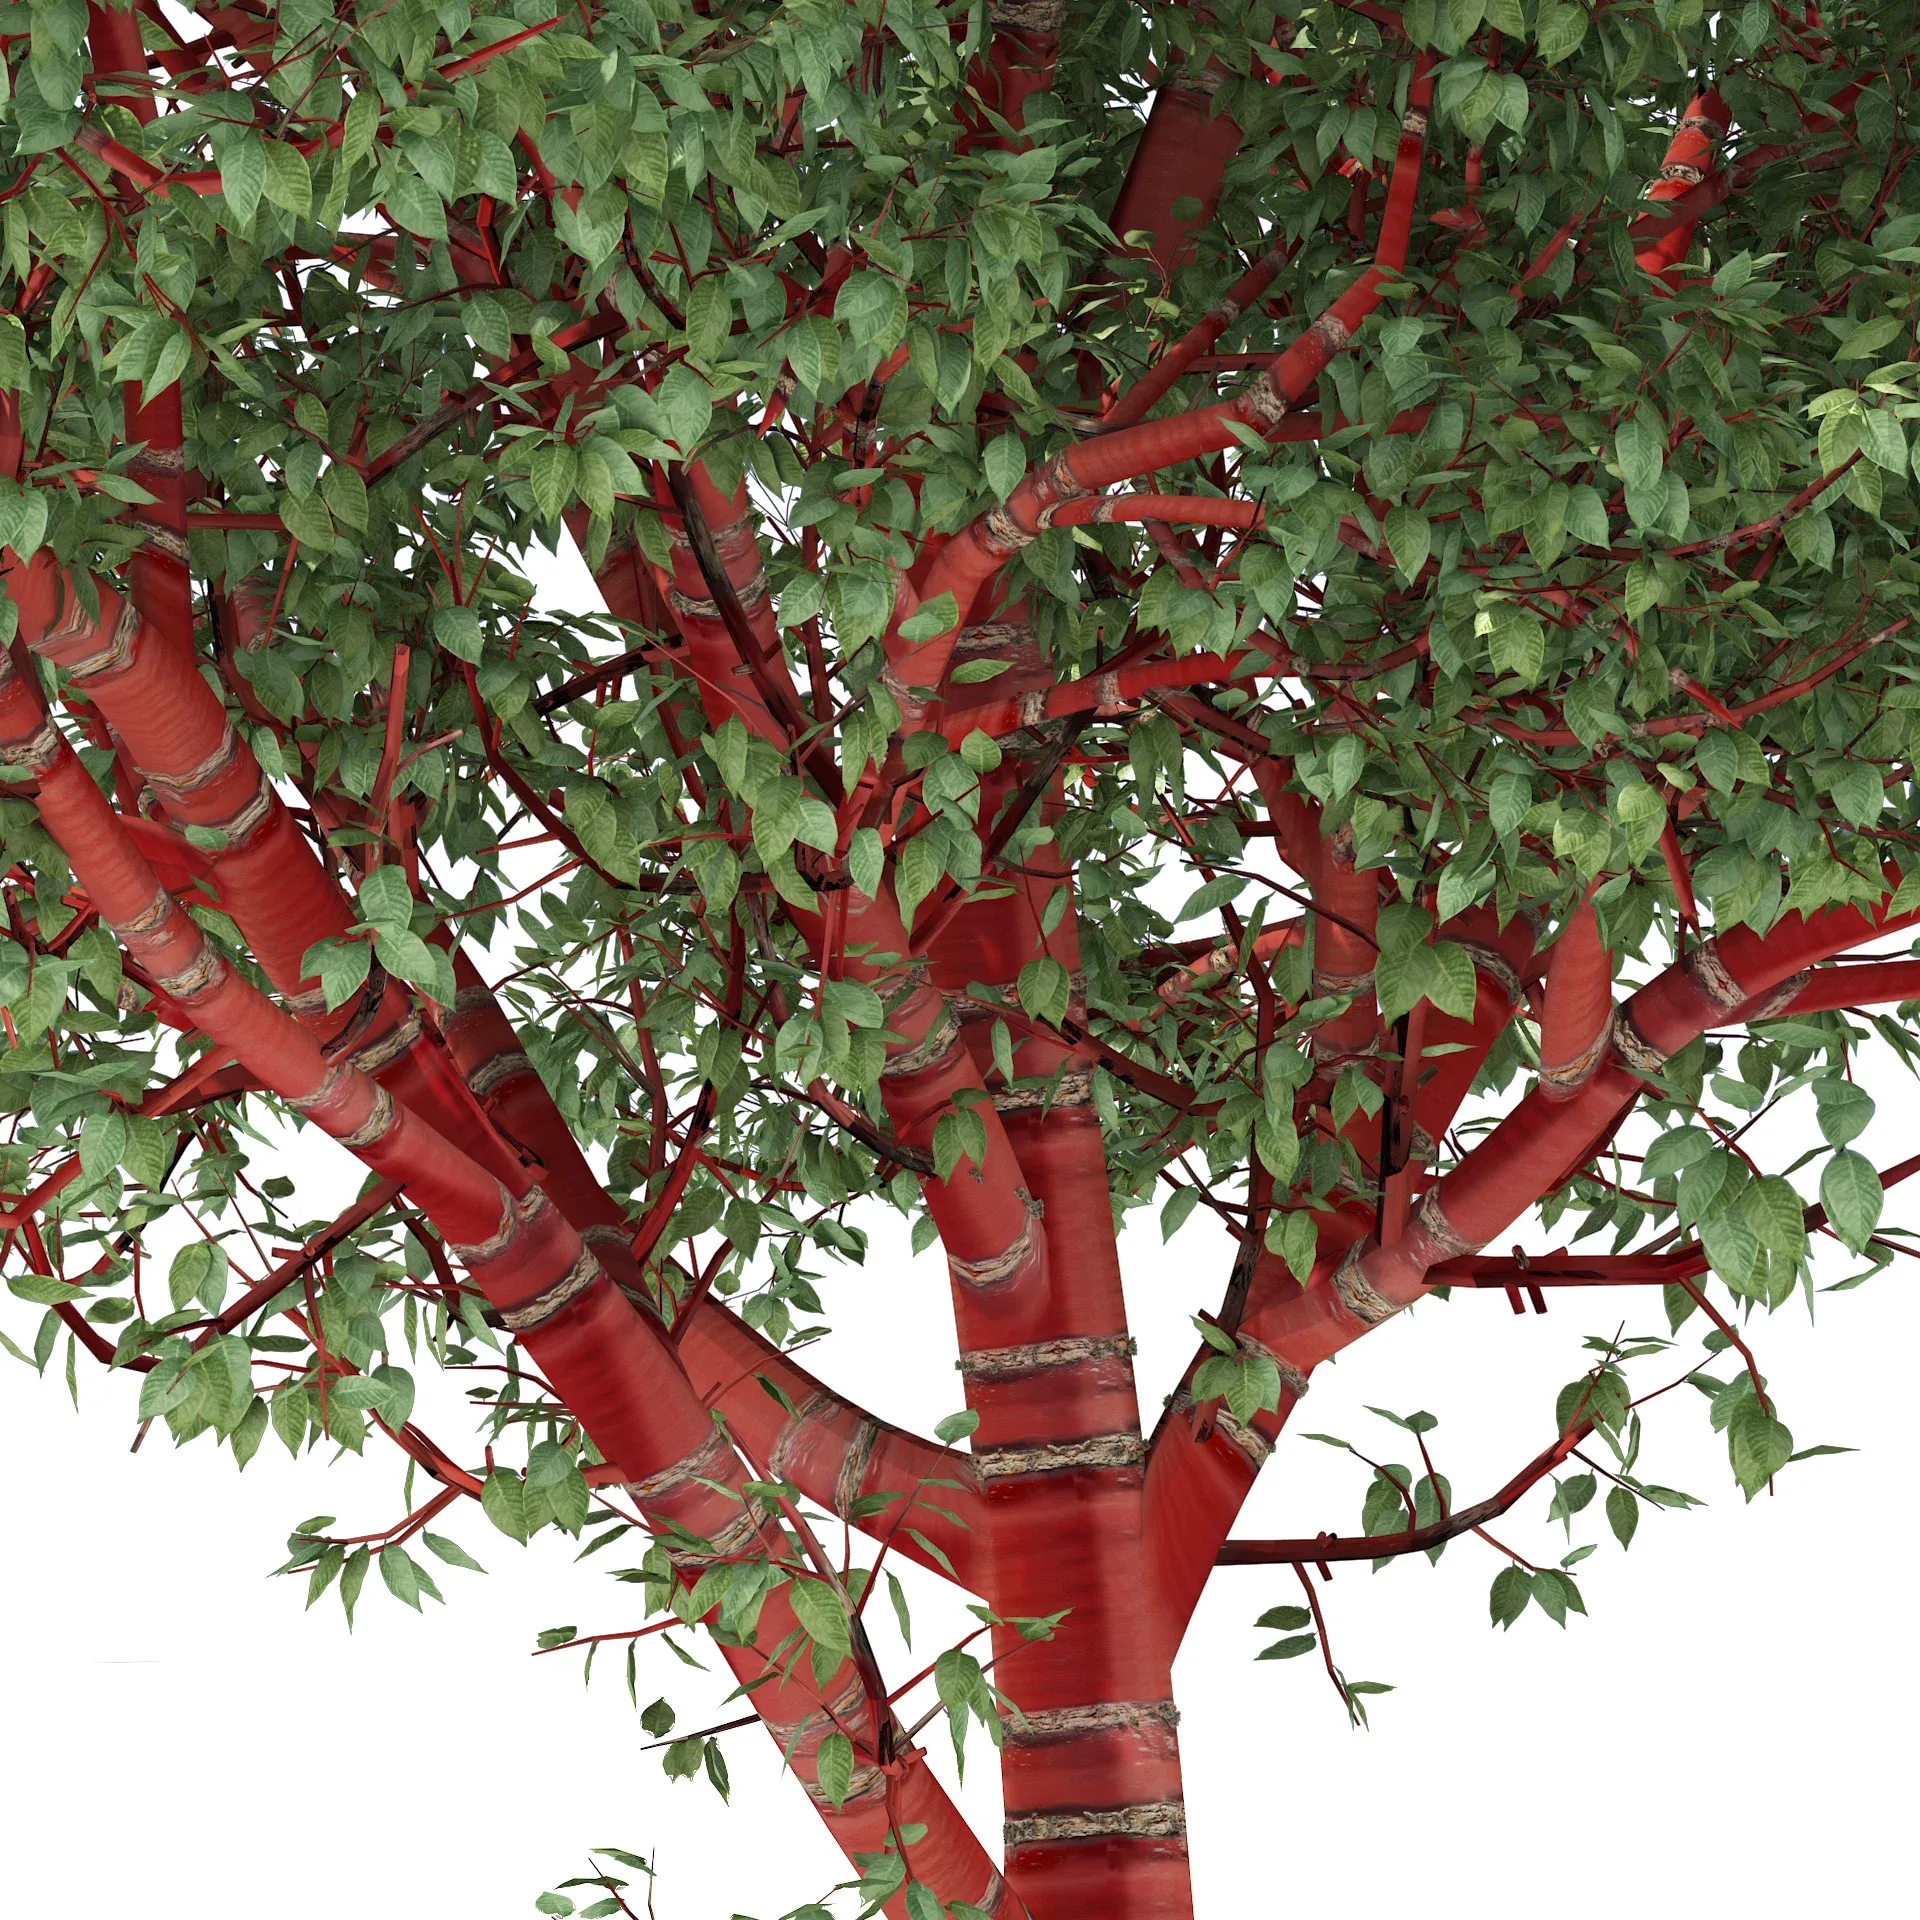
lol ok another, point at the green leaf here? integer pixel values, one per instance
(1640, 448)
(1452, 985)
(360, 127)
(1623, 1514)
(402, 1577)
(198, 1272)
(1044, 989)
(970, 673)
(243, 178)
(1555, 1594)
(1586, 514)
(1560, 29)
(1003, 459)
(1285, 1619)
(1212, 896)
(308, 520)
(287, 182)
(451, 1551)
(687, 403)
(1277, 1141)
(408, 957)
(458, 630)
(833, 1768)
(820, 1612)
(503, 1499)
(872, 308)
(552, 470)
(1850, 1191)
(341, 967)
(43, 1289)
(1508, 1600)
(1409, 540)
(922, 1902)
(385, 900)
(1870, 336)
(1516, 641)
(866, 862)
(13, 353)
(346, 495)
(414, 205)
(1547, 525)
(103, 1143)
(353, 1576)
(1846, 1110)
(931, 619)
(1759, 1446)
(1290, 1648)
(1293, 1238)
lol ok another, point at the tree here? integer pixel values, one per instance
(1420, 494)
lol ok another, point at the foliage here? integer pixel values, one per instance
(1580, 582)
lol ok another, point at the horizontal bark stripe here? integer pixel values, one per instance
(542, 1306)
(707, 1461)
(1067, 1090)
(1150, 1820)
(1045, 1356)
(1018, 1257)
(1046, 1725)
(1250, 1442)
(1101, 1452)
(819, 1410)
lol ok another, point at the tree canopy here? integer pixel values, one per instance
(1298, 610)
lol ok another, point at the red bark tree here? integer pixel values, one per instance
(1506, 631)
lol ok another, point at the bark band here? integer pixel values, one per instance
(866, 1782)
(1249, 1442)
(1357, 1293)
(200, 975)
(1067, 1090)
(1496, 966)
(1027, 16)
(996, 1267)
(497, 1069)
(1261, 402)
(740, 1533)
(115, 654)
(1045, 1725)
(545, 1305)
(929, 1050)
(381, 1052)
(37, 753)
(1636, 1052)
(1098, 1452)
(1045, 1356)
(1150, 1820)
(703, 1463)
(1704, 967)
(1562, 1079)
(1771, 1005)
(150, 919)
(491, 1248)
(1290, 1376)
(203, 773)
(375, 1126)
